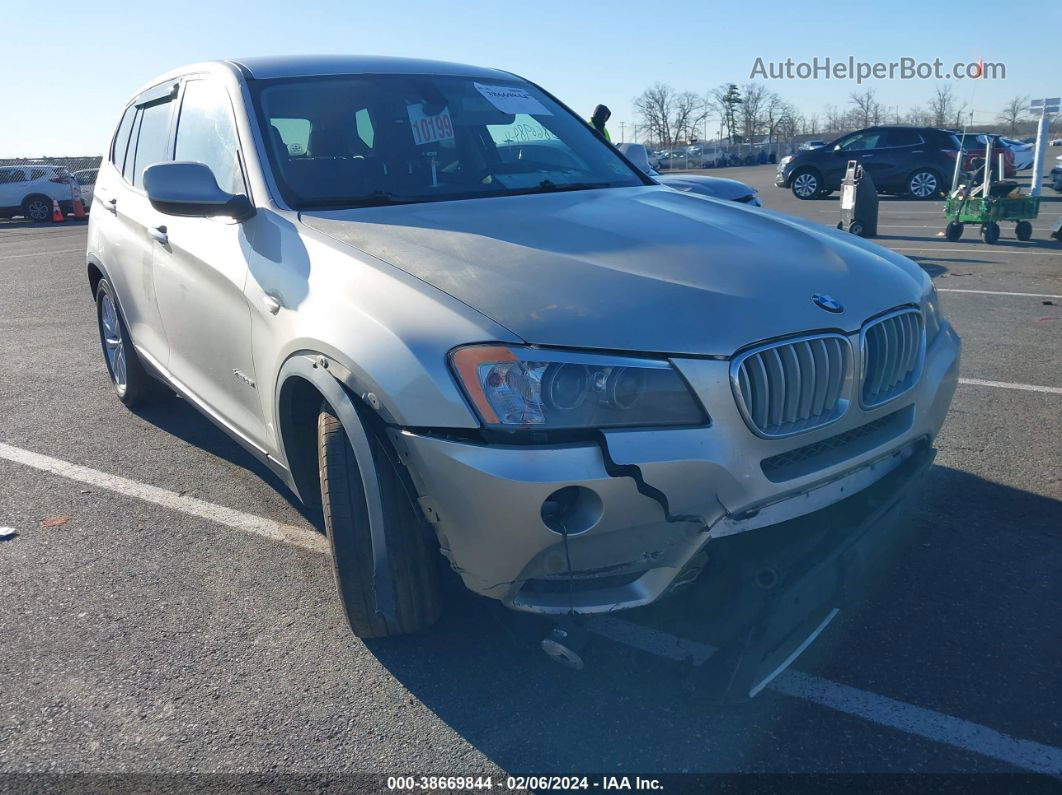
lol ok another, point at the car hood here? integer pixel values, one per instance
(633, 269)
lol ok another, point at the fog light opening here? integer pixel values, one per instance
(571, 510)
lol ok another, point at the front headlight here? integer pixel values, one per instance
(515, 387)
(934, 316)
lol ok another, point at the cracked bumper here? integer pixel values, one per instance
(679, 488)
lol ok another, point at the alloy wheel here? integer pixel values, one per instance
(38, 210)
(805, 185)
(113, 347)
(923, 184)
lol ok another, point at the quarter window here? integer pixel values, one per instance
(206, 133)
(121, 138)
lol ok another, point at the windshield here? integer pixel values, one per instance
(364, 140)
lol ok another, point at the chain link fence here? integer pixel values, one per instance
(35, 189)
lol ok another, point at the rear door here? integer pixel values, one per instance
(201, 270)
(133, 221)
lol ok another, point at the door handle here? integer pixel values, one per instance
(111, 205)
(272, 303)
(159, 233)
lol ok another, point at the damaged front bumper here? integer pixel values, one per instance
(651, 499)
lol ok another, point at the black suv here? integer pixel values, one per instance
(918, 161)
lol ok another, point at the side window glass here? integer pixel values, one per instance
(121, 138)
(37, 173)
(206, 133)
(127, 161)
(12, 175)
(151, 143)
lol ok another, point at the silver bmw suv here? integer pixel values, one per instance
(441, 308)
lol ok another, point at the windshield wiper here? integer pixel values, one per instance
(377, 198)
(549, 186)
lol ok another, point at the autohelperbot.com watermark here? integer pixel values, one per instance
(850, 68)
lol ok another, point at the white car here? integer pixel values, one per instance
(1023, 153)
(28, 190)
(86, 178)
(1056, 175)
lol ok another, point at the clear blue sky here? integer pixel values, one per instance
(66, 68)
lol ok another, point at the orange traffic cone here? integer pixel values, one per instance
(79, 209)
(57, 214)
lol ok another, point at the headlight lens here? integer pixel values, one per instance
(934, 316)
(515, 387)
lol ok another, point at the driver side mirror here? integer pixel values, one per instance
(837, 149)
(189, 189)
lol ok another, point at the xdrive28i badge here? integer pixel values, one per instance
(827, 302)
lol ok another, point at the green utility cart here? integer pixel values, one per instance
(961, 210)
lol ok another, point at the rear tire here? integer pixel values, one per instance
(989, 232)
(130, 380)
(1023, 230)
(924, 184)
(953, 231)
(37, 208)
(411, 551)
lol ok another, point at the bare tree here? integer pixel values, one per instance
(867, 110)
(753, 104)
(687, 115)
(655, 107)
(942, 106)
(1012, 113)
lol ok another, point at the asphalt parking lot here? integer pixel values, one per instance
(185, 619)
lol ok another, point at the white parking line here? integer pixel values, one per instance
(44, 253)
(882, 710)
(1053, 390)
(979, 250)
(995, 292)
(249, 523)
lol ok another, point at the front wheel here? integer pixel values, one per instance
(411, 552)
(1023, 230)
(806, 185)
(953, 231)
(990, 232)
(924, 184)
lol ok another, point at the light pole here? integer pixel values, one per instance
(1046, 108)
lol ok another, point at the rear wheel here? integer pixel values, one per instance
(953, 231)
(924, 184)
(1023, 230)
(131, 382)
(412, 558)
(990, 232)
(37, 208)
(806, 185)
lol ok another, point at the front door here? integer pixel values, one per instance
(200, 271)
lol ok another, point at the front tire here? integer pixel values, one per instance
(953, 231)
(924, 184)
(1023, 230)
(806, 185)
(411, 552)
(130, 380)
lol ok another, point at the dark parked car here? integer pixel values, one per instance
(918, 161)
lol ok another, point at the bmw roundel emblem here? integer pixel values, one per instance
(827, 302)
